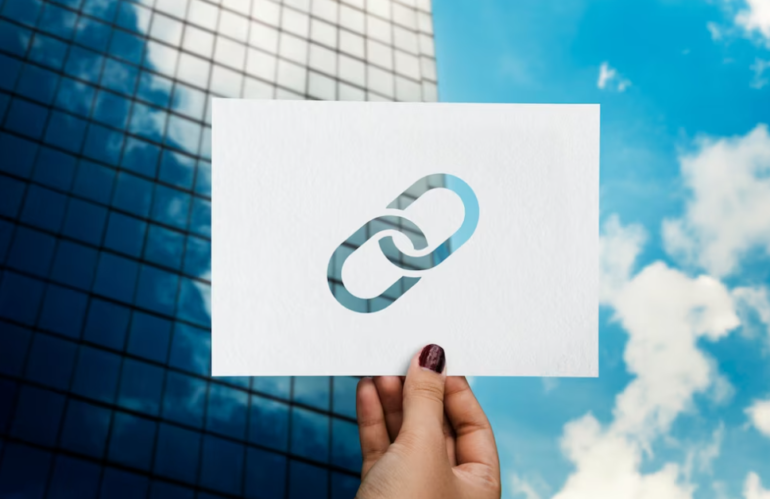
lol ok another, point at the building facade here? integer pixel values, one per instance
(105, 199)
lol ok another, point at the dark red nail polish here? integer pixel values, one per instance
(432, 357)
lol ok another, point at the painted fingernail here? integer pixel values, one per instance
(432, 357)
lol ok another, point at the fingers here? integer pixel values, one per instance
(475, 442)
(390, 391)
(371, 424)
(423, 402)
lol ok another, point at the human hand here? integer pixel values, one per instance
(427, 438)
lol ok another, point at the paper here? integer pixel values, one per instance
(348, 235)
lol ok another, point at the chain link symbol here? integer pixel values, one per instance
(415, 235)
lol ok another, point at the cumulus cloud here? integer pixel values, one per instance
(759, 67)
(752, 489)
(755, 18)
(728, 210)
(610, 79)
(759, 414)
(753, 305)
(619, 247)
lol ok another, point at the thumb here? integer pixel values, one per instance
(423, 403)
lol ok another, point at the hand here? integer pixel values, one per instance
(425, 439)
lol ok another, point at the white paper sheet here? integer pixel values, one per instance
(292, 180)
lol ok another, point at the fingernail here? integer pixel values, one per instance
(432, 357)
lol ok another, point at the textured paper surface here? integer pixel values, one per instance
(292, 180)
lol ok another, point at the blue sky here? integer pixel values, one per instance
(685, 180)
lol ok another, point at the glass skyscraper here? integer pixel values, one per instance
(105, 199)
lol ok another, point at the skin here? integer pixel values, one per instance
(424, 437)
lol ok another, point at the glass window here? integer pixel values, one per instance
(177, 452)
(103, 144)
(63, 311)
(293, 48)
(83, 64)
(118, 484)
(93, 34)
(160, 58)
(177, 169)
(321, 87)
(313, 391)
(171, 206)
(265, 475)
(203, 176)
(101, 9)
(206, 143)
(200, 217)
(96, 375)
(85, 221)
(13, 38)
(428, 68)
(344, 395)
(191, 349)
(44, 208)
(132, 440)
(166, 29)
(54, 168)
(107, 324)
(31, 251)
(94, 182)
(429, 92)
(344, 486)
(140, 157)
(188, 101)
(405, 39)
(14, 343)
(7, 396)
(51, 361)
(37, 83)
(119, 76)
(133, 17)
(26, 118)
(125, 234)
(323, 33)
(261, 65)
(269, 423)
(183, 399)
(346, 451)
(25, 469)
(6, 233)
(222, 467)
(263, 37)
(225, 82)
(65, 131)
(195, 303)
(74, 477)
(38, 413)
(133, 194)
(157, 290)
(352, 44)
(230, 53)
(351, 70)
(19, 155)
(57, 21)
(85, 428)
(234, 25)
(74, 264)
(197, 259)
(116, 277)
(23, 12)
(183, 134)
(127, 46)
(266, 11)
(75, 96)
(20, 297)
(154, 89)
(140, 387)
(407, 65)
(176, 8)
(379, 54)
(165, 490)
(11, 67)
(150, 337)
(306, 480)
(292, 76)
(164, 247)
(226, 413)
(198, 41)
(277, 386)
(203, 14)
(309, 434)
(193, 70)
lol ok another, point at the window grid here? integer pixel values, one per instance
(387, 48)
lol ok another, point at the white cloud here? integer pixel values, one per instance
(522, 488)
(756, 18)
(666, 313)
(759, 414)
(715, 31)
(752, 489)
(619, 246)
(610, 79)
(753, 305)
(728, 212)
(759, 67)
